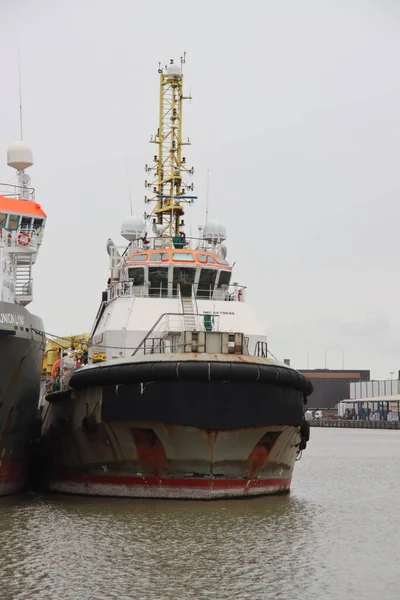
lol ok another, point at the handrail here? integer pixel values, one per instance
(11, 237)
(16, 194)
(261, 349)
(129, 289)
(24, 289)
(146, 337)
(160, 318)
(166, 241)
(194, 299)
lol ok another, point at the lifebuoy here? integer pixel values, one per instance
(24, 239)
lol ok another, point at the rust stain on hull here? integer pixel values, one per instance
(171, 461)
(151, 453)
(260, 453)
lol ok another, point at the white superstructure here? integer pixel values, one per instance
(165, 283)
(22, 222)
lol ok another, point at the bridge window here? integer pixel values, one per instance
(158, 278)
(3, 219)
(224, 278)
(222, 261)
(159, 256)
(26, 222)
(184, 277)
(13, 222)
(204, 258)
(138, 257)
(137, 274)
(206, 283)
(183, 256)
(37, 224)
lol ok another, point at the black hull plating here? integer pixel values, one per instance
(213, 405)
(20, 374)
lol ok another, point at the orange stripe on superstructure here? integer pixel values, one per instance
(174, 261)
(20, 207)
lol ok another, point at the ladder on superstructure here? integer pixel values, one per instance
(23, 279)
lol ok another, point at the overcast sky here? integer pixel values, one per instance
(295, 112)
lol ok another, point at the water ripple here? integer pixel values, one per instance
(335, 537)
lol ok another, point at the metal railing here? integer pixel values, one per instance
(178, 242)
(174, 323)
(261, 349)
(128, 289)
(20, 238)
(10, 190)
(25, 289)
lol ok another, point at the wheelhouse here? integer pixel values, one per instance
(172, 272)
(21, 216)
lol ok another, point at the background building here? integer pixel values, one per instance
(372, 401)
(332, 386)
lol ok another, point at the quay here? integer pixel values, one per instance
(360, 424)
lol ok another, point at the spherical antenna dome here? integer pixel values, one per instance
(19, 156)
(214, 231)
(223, 251)
(132, 228)
(174, 70)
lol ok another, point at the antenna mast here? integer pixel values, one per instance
(129, 184)
(207, 193)
(20, 93)
(169, 189)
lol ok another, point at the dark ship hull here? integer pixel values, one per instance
(194, 427)
(21, 353)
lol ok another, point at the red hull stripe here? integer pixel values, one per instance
(191, 482)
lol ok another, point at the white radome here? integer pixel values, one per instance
(174, 70)
(19, 156)
(214, 231)
(132, 228)
(223, 251)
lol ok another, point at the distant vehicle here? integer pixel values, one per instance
(318, 414)
(309, 415)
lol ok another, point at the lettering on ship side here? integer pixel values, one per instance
(11, 319)
(216, 312)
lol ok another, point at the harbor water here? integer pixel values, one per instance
(336, 536)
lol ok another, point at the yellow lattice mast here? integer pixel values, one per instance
(170, 192)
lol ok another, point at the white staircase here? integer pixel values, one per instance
(189, 317)
(23, 279)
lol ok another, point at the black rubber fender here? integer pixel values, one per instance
(305, 430)
(252, 373)
(61, 395)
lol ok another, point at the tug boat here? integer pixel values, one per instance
(178, 397)
(22, 222)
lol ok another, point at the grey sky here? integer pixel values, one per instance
(296, 112)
